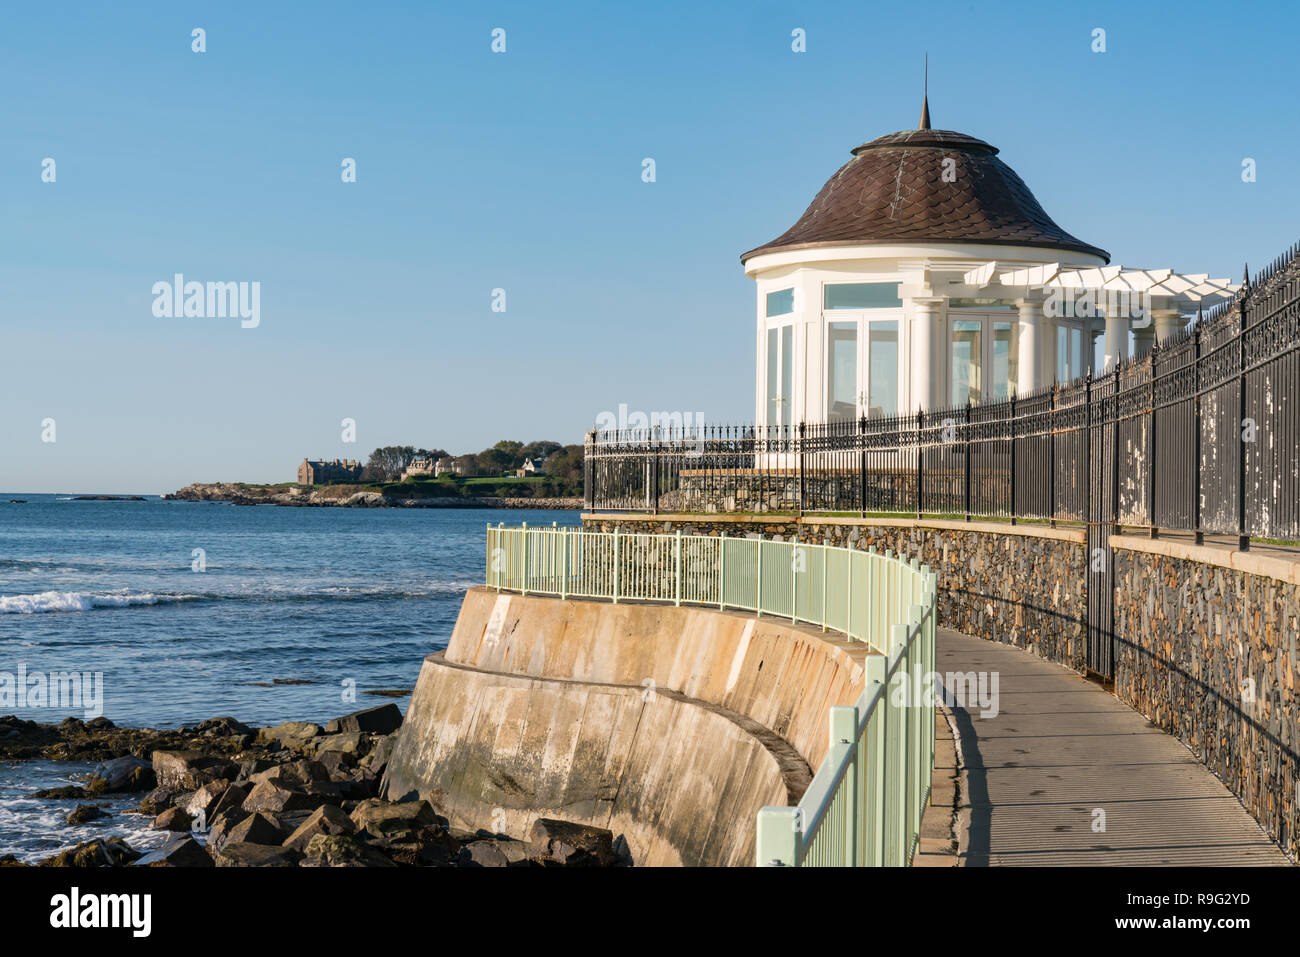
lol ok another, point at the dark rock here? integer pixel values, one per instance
(384, 819)
(328, 820)
(482, 854)
(250, 766)
(233, 796)
(172, 819)
(220, 826)
(122, 775)
(573, 844)
(296, 735)
(156, 801)
(354, 743)
(292, 774)
(340, 850)
(181, 850)
(241, 854)
(100, 724)
(277, 800)
(190, 770)
(85, 813)
(337, 762)
(111, 852)
(68, 793)
(384, 719)
(255, 829)
(206, 797)
(224, 726)
(378, 757)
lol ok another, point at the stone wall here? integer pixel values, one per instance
(1019, 584)
(1208, 653)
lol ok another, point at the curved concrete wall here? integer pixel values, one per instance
(783, 676)
(680, 781)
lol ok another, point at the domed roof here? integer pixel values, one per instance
(893, 190)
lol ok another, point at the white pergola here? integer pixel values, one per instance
(1162, 297)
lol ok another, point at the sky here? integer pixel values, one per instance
(522, 171)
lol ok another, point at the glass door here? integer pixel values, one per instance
(780, 375)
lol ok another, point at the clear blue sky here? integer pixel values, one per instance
(523, 171)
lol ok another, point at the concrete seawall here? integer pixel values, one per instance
(670, 726)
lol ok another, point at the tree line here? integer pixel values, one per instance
(563, 462)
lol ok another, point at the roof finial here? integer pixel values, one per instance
(925, 97)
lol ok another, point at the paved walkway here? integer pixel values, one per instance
(1059, 749)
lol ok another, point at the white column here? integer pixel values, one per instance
(1116, 338)
(1168, 323)
(926, 355)
(1029, 361)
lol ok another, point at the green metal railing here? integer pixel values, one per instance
(865, 802)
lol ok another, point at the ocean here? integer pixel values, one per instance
(192, 610)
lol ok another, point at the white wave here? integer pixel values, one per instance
(76, 601)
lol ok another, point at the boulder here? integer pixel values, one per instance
(156, 801)
(379, 754)
(296, 735)
(220, 826)
(327, 819)
(113, 852)
(424, 847)
(277, 800)
(180, 850)
(338, 763)
(122, 775)
(85, 813)
(340, 850)
(202, 801)
(255, 829)
(292, 774)
(241, 854)
(67, 793)
(232, 796)
(353, 743)
(173, 819)
(384, 719)
(482, 854)
(190, 770)
(223, 726)
(572, 844)
(384, 819)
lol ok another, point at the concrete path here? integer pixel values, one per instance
(1059, 750)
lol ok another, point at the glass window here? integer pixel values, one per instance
(780, 303)
(773, 383)
(787, 373)
(861, 295)
(1005, 360)
(842, 372)
(883, 364)
(965, 361)
(1069, 353)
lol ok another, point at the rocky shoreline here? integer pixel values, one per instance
(350, 496)
(293, 795)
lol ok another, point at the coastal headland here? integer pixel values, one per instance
(403, 495)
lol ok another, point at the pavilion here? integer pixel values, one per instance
(925, 275)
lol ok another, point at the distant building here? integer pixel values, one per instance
(424, 466)
(451, 466)
(321, 472)
(531, 467)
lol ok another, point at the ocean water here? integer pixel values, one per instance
(294, 610)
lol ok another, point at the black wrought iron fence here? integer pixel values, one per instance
(1202, 435)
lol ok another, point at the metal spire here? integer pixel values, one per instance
(925, 98)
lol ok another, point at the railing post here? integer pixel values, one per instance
(920, 458)
(1243, 539)
(1051, 454)
(825, 549)
(916, 725)
(1151, 445)
(802, 432)
(564, 563)
(500, 551)
(1196, 383)
(898, 734)
(862, 464)
(588, 466)
(616, 564)
(523, 590)
(794, 581)
(968, 431)
(878, 729)
(758, 585)
(654, 469)
(779, 833)
(1013, 458)
(722, 571)
(677, 599)
(844, 732)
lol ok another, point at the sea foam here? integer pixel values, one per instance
(72, 601)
